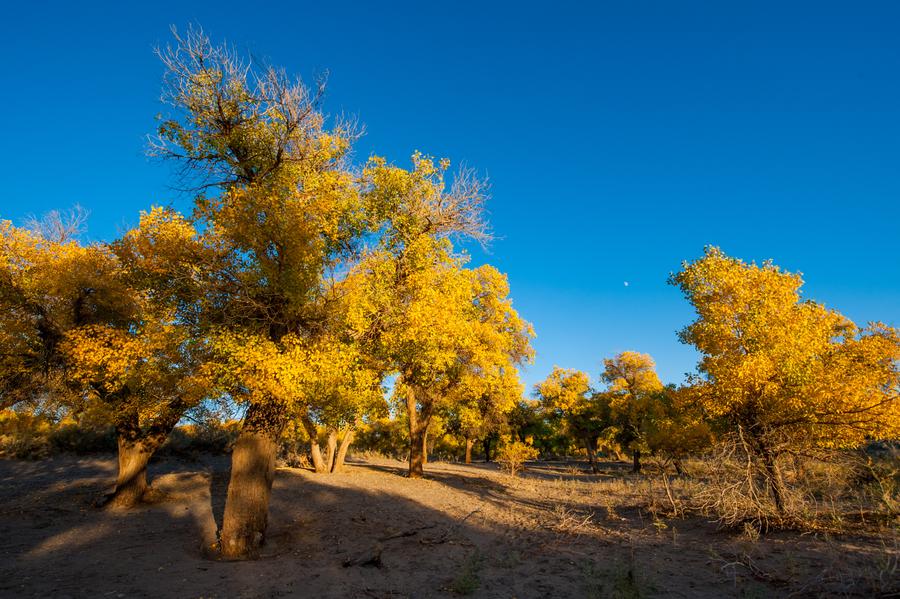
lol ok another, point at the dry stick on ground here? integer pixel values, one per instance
(675, 509)
(407, 533)
(368, 559)
(445, 536)
(569, 521)
(755, 571)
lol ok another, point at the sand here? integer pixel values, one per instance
(370, 532)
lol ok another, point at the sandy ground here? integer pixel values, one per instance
(370, 532)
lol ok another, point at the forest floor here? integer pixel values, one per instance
(370, 532)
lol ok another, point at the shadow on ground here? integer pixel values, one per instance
(368, 532)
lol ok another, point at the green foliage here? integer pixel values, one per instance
(467, 581)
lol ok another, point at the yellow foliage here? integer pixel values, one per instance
(512, 455)
(565, 390)
(327, 376)
(789, 370)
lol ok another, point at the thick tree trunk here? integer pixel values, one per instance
(315, 451)
(342, 449)
(469, 444)
(250, 486)
(318, 461)
(636, 467)
(416, 453)
(131, 482)
(589, 447)
(330, 449)
(135, 448)
(487, 448)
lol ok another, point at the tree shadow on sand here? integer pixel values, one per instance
(357, 534)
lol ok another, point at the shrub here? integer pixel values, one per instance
(513, 455)
(73, 438)
(23, 436)
(208, 437)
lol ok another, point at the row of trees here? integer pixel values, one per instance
(778, 376)
(299, 283)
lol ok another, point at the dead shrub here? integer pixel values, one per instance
(822, 488)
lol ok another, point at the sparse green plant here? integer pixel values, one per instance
(594, 578)
(624, 581)
(467, 580)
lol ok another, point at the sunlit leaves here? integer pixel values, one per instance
(792, 370)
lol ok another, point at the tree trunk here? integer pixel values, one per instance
(487, 448)
(773, 476)
(418, 430)
(636, 468)
(135, 448)
(770, 466)
(330, 450)
(250, 486)
(131, 482)
(425, 446)
(469, 444)
(416, 452)
(342, 450)
(589, 447)
(315, 451)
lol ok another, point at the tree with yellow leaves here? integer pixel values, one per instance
(632, 396)
(49, 284)
(450, 333)
(144, 368)
(339, 389)
(281, 212)
(480, 404)
(98, 330)
(418, 310)
(144, 380)
(566, 396)
(679, 426)
(787, 374)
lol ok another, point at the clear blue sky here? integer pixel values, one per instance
(620, 138)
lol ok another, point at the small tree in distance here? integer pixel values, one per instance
(566, 395)
(512, 456)
(632, 398)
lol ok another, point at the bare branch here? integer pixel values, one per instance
(59, 226)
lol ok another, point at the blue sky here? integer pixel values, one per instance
(619, 138)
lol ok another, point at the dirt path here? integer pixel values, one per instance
(370, 532)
